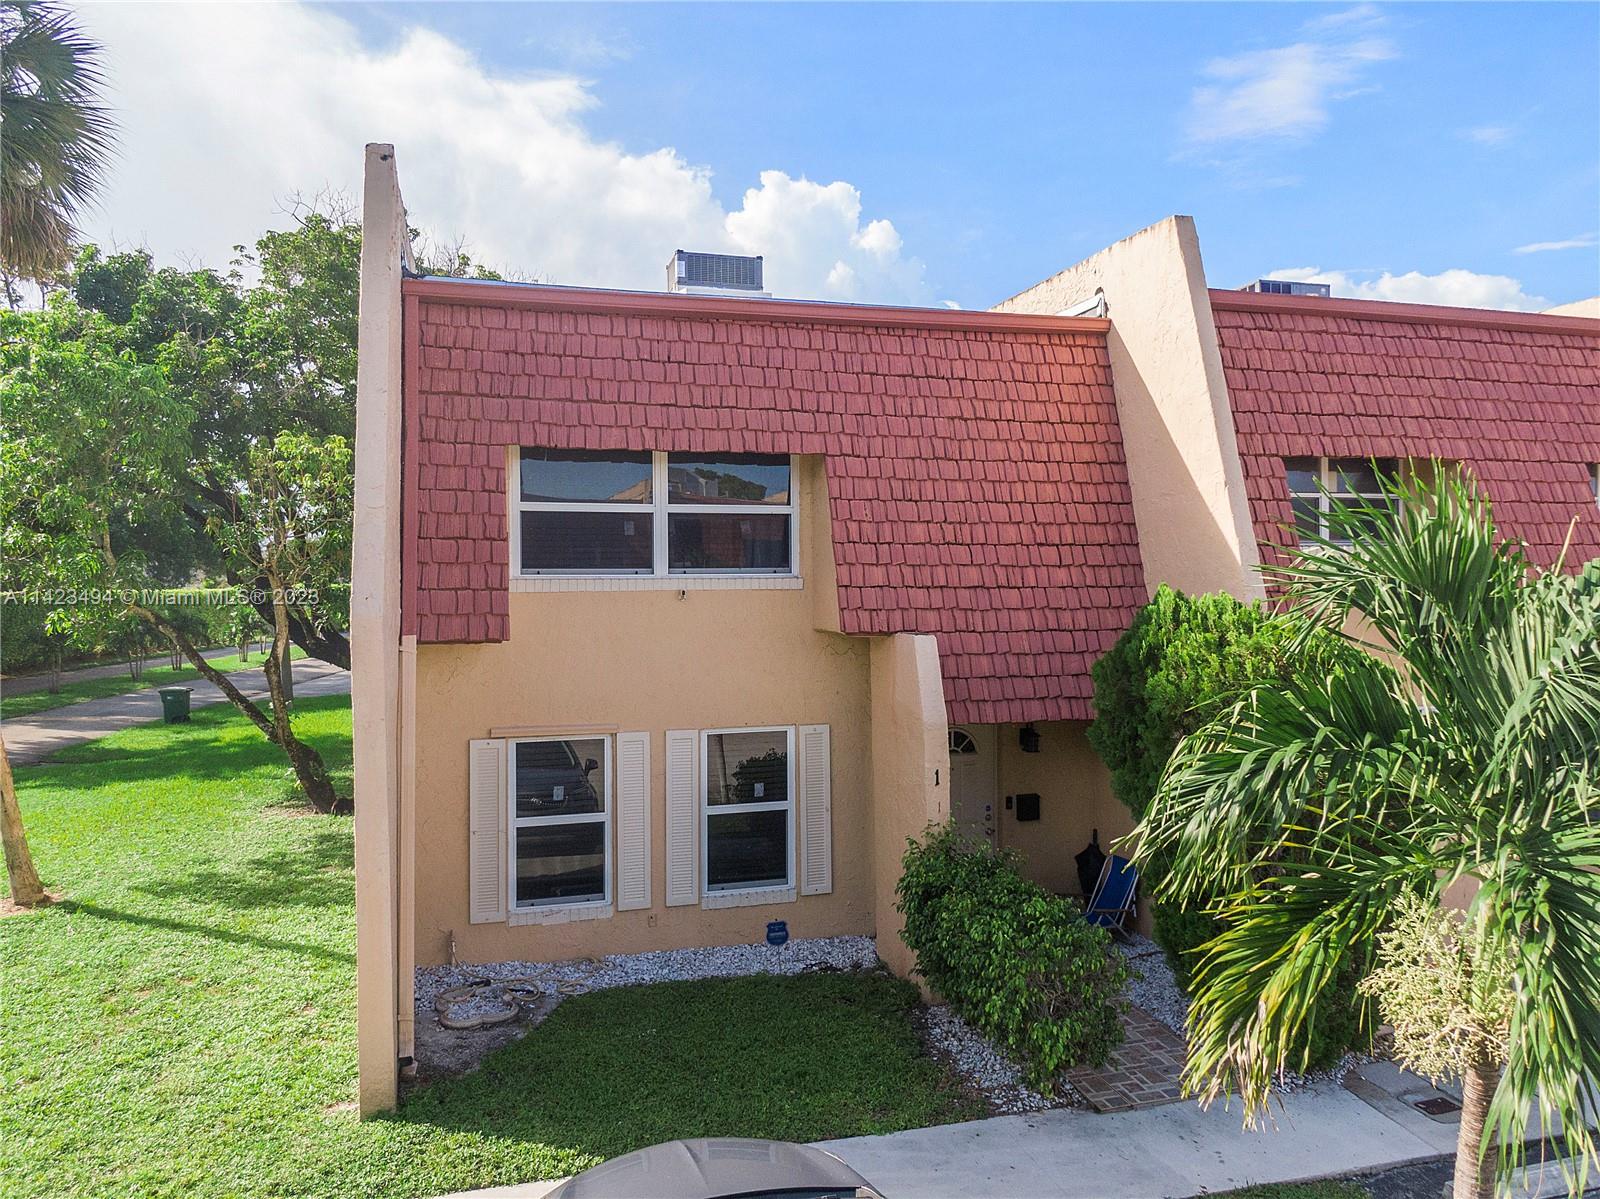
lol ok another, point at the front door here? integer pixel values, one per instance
(973, 785)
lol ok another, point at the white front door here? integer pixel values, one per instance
(973, 782)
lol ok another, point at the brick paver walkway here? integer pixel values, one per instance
(1143, 1071)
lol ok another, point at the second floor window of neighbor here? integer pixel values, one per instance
(614, 512)
(1316, 484)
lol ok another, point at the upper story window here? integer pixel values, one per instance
(620, 513)
(1316, 484)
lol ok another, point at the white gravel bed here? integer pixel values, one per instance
(982, 1066)
(628, 969)
(1151, 985)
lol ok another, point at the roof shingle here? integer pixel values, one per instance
(1515, 397)
(975, 469)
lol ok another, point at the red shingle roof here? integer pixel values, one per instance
(1515, 397)
(975, 470)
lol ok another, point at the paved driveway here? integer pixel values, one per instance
(30, 738)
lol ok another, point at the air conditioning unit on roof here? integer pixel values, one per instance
(699, 274)
(1289, 287)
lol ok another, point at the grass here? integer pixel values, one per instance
(33, 702)
(183, 1023)
(1329, 1189)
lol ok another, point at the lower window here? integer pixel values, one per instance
(561, 819)
(747, 808)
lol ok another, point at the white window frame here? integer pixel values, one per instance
(707, 810)
(657, 512)
(1328, 474)
(515, 822)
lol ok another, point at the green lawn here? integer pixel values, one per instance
(31, 702)
(182, 1025)
(1300, 1190)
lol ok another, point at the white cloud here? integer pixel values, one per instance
(1281, 92)
(1488, 135)
(1583, 241)
(227, 109)
(1457, 288)
(1361, 16)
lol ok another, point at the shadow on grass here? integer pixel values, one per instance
(99, 912)
(314, 875)
(217, 744)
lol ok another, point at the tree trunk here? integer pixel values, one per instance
(308, 765)
(1475, 1164)
(26, 889)
(55, 671)
(286, 672)
(309, 768)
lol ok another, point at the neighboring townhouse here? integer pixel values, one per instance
(674, 615)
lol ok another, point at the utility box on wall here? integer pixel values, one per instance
(1028, 806)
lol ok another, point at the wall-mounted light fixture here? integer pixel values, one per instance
(1028, 739)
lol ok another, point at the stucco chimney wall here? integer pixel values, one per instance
(1172, 401)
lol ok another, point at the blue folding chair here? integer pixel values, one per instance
(1113, 903)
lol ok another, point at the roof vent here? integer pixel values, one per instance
(1289, 287)
(715, 274)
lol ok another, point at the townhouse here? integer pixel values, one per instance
(675, 614)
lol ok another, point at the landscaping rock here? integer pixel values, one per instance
(1151, 984)
(983, 1068)
(665, 965)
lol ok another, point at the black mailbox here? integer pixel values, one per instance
(1028, 806)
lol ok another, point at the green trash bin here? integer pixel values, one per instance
(175, 704)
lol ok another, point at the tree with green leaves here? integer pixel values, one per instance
(98, 443)
(1456, 752)
(55, 141)
(1184, 660)
(56, 138)
(291, 526)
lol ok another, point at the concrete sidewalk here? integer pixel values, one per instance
(30, 738)
(1175, 1150)
(1170, 1152)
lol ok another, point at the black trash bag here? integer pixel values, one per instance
(1091, 860)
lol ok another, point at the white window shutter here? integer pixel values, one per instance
(816, 811)
(683, 817)
(487, 805)
(633, 821)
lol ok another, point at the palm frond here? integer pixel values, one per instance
(1466, 746)
(55, 136)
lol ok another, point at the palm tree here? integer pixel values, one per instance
(1455, 749)
(55, 138)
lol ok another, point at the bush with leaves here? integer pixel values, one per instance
(1183, 660)
(1016, 962)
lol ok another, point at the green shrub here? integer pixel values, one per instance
(1179, 665)
(1016, 962)
(1179, 932)
(1336, 1025)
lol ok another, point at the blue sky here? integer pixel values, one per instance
(1403, 151)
